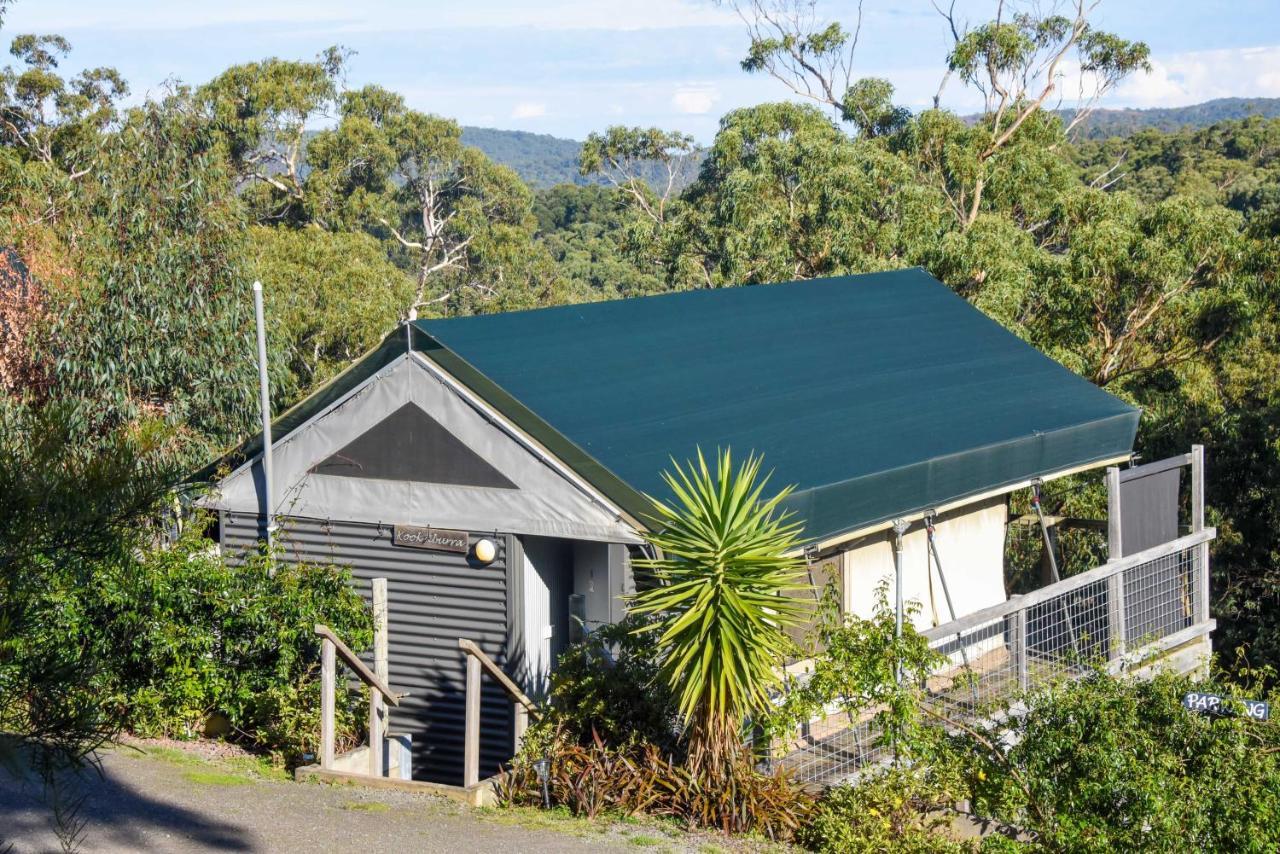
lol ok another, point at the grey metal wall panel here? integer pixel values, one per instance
(434, 598)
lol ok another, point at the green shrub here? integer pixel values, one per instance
(854, 667)
(610, 732)
(194, 641)
(1107, 764)
(900, 809)
(607, 686)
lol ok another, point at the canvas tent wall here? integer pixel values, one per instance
(970, 544)
(405, 446)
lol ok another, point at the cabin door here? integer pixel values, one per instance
(548, 583)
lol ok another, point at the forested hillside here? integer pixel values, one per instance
(540, 159)
(544, 161)
(1147, 264)
(1122, 122)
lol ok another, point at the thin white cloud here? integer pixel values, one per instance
(1195, 76)
(150, 15)
(374, 15)
(695, 100)
(529, 110)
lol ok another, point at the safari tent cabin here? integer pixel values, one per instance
(879, 397)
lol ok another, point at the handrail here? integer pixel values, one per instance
(366, 675)
(1019, 603)
(513, 690)
(379, 691)
(476, 660)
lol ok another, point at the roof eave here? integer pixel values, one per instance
(828, 542)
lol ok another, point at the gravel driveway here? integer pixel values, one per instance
(169, 801)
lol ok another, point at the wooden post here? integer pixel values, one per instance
(471, 736)
(1018, 645)
(1116, 618)
(521, 724)
(375, 732)
(1115, 546)
(1197, 524)
(377, 707)
(327, 686)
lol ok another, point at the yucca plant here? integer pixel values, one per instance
(722, 594)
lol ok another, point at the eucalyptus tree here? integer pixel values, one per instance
(460, 223)
(262, 109)
(1016, 61)
(49, 127)
(627, 156)
(1017, 64)
(49, 118)
(784, 193)
(331, 297)
(154, 321)
(1127, 291)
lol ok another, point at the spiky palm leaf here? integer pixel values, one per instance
(721, 592)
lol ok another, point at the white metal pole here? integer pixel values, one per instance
(264, 401)
(899, 528)
(381, 669)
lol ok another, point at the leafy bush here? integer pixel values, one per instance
(855, 666)
(194, 642)
(638, 777)
(1107, 764)
(69, 505)
(607, 687)
(611, 734)
(901, 809)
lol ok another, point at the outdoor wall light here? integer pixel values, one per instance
(485, 551)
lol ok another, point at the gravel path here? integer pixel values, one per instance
(170, 801)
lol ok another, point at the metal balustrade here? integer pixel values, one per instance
(1117, 615)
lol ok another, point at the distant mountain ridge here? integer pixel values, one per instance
(544, 160)
(1124, 122)
(540, 159)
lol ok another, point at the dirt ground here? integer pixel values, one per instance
(153, 797)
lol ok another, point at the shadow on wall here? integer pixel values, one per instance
(116, 815)
(435, 713)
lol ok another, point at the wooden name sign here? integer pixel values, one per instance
(436, 539)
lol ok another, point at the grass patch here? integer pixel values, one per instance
(366, 806)
(558, 819)
(166, 754)
(252, 768)
(256, 766)
(641, 840)
(217, 778)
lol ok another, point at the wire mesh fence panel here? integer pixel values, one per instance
(989, 662)
(1159, 599)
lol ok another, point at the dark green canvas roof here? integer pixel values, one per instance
(875, 395)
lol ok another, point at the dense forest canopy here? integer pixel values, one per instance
(1146, 263)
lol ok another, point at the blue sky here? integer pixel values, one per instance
(568, 67)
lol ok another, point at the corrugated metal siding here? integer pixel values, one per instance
(434, 598)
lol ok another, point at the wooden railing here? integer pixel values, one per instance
(379, 691)
(476, 661)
